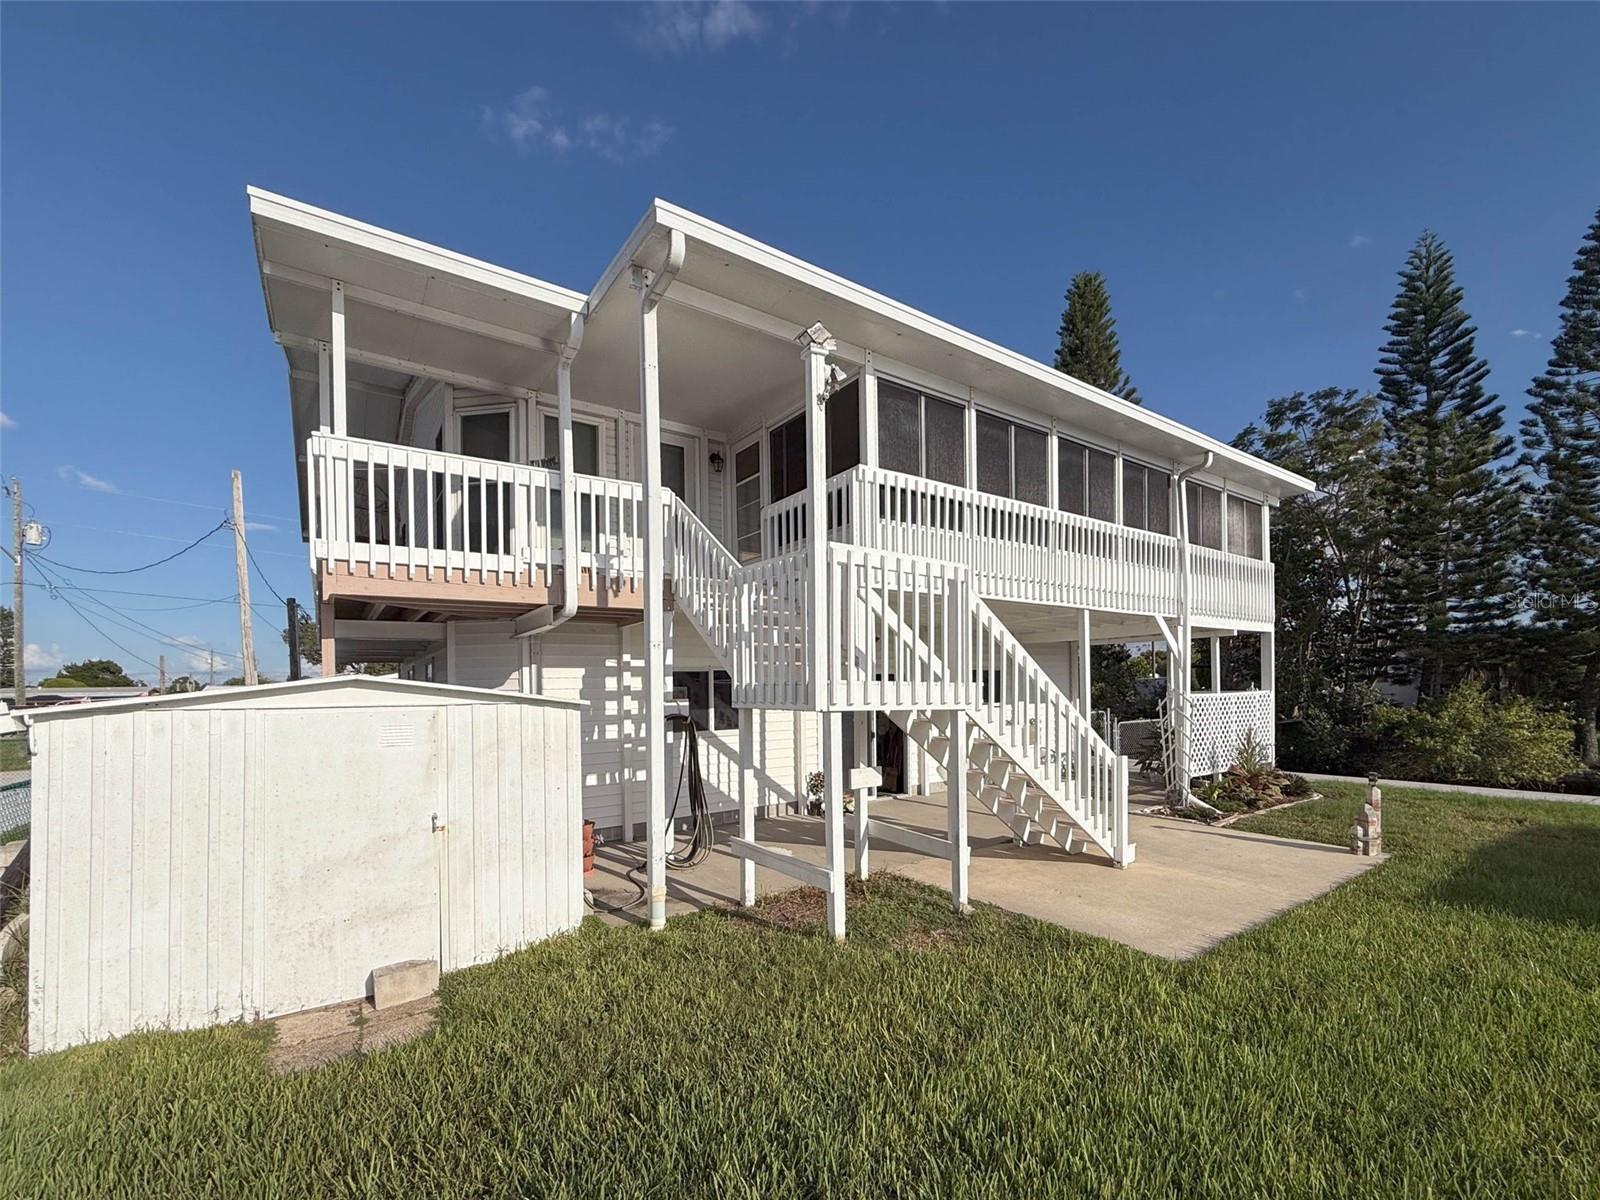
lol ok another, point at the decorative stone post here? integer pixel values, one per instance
(1366, 835)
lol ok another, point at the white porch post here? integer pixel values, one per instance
(1085, 679)
(747, 802)
(869, 415)
(1216, 663)
(816, 343)
(956, 800)
(861, 726)
(1269, 685)
(1052, 468)
(324, 388)
(655, 615)
(833, 814)
(338, 354)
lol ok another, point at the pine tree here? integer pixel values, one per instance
(1329, 546)
(1451, 509)
(1088, 349)
(1561, 441)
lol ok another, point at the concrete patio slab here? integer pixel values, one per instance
(1191, 887)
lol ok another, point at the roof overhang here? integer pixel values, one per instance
(410, 307)
(747, 282)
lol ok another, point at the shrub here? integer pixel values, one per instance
(1337, 734)
(1466, 737)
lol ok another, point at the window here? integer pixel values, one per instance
(994, 455)
(1087, 480)
(787, 458)
(675, 469)
(844, 428)
(1146, 503)
(1012, 460)
(486, 435)
(585, 445)
(920, 434)
(1205, 515)
(747, 501)
(1030, 465)
(899, 429)
(708, 697)
(1244, 527)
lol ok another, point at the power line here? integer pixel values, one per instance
(85, 618)
(262, 573)
(123, 619)
(147, 566)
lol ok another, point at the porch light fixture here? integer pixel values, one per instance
(717, 462)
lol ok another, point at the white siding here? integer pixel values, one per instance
(602, 665)
(485, 654)
(200, 860)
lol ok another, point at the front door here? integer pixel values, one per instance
(487, 433)
(678, 468)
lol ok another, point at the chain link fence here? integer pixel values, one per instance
(16, 787)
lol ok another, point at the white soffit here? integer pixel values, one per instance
(729, 265)
(406, 301)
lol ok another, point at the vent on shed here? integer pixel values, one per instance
(397, 733)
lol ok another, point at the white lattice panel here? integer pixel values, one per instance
(1217, 724)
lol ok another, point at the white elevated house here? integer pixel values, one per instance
(611, 496)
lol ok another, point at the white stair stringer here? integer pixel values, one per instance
(1033, 759)
(997, 782)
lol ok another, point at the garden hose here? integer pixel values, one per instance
(702, 836)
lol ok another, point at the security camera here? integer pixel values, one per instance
(832, 379)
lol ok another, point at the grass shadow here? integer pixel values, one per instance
(1541, 872)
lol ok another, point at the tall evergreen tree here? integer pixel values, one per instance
(1329, 547)
(1451, 507)
(1561, 441)
(1088, 348)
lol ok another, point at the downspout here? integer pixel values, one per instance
(569, 485)
(1180, 707)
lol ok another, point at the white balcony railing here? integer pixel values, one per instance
(392, 510)
(1027, 552)
(385, 508)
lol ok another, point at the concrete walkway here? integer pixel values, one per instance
(1191, 886)
(1499, 793)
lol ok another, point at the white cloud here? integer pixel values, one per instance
(196, 661)
(41, 658)
(1358, 240)
(533, 121)
(71, 474)
(1523, 333)
(1300, 295)
(252, 526)
(6, 422)
(687, 27)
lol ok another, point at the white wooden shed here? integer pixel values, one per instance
(216, 856)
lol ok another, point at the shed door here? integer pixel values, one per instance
(351, 877)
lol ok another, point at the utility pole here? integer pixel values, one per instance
(242, 568)
(19, 648)
(294, 637)
(162, 659)
(211, 667)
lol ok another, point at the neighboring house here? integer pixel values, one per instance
(41, 697)
(475, 447)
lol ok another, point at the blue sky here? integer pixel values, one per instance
(1249, 178)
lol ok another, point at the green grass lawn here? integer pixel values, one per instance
(13, 753)
(1430, 1029)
